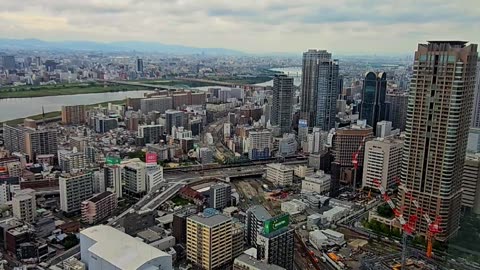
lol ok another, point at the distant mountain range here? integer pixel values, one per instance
(123, 46)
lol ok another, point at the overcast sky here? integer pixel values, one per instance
(341, 26)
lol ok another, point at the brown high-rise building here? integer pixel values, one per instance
(438, 119)
(73, 115)
(398, 106)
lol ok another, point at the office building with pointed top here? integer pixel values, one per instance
(438, 120)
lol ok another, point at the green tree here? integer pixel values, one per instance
(70, 241)
(385, 211)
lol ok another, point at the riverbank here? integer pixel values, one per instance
(59, 113)
(63, 89)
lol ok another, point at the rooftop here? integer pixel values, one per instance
(260, 212)
(253, 263)
(211, 221)
(100, 196)
(120, 249)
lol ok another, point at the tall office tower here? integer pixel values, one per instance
(259, 144)
(309, 93)
(383, 161)
(281, 115)
(134, 176)
(173, 118)
(98, 207)
(373, 107)
(73, 115)
(74, 189)
(327, 94)
(471, 183)
(476, 101)
(438, 119)
(24, 205)
(151, 133)
(14, 138)
(71, 160)
(139, 65)
(160, 104)
(8, 62)
(113, 179)
(384, 129)
(398, 109)
(220, 196)
(40, 141)
(209, 240)
(254, 222)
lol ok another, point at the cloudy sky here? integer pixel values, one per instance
(341, 26)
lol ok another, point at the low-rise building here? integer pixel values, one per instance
(279, 174)
(293, 207)
(303, 170)
(317, 183)
(334, 236)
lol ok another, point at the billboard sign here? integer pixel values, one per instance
(113, 160)
(151, 158)
(276, 223)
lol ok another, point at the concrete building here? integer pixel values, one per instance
(254, 222)
(209, 240)
(205, 155)
(317, 183)
(384, 129)
(316, 141)
(319, 89)
(443, 81)
(287, 146)
(159, 104)
(106, 248)
(8, 187)
(281, 114)
(317, 239)
(40, 141)
(134, 176)
(279, 174)
(154, 176)
(476, 101)
(471, 183)
(71, 160)
(74, 189)
(151, 133)
(99, 207)
(220, 196)
(113, 179)
(238, 239)
(293, 207)
(14, 138)
(103, 124)
(473, 144)
(383, 162)
(398, 109)
(373, 107)
(24, 205)
(259, 144)
(73, 115)
(302, 171)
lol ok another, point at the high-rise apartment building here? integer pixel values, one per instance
(220, 196)
(113, 179)
(160, 104)
(398, 109)
(373, 107)
(151, 133)
(134, 176)
(14, 138)
(254, 223)
(382, 162)
(209, 240)
(40, 141)
(98, 207)
(310, 83)
(277, 247)
(471, 183)
(73, 115)
(74, 189)
(281, 114)
(438, 120)
(238, 239)
(173, 118)
(71, 160)
(259, 144)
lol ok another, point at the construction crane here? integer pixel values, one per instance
(408, 227)
(433, 227)
(355, 164)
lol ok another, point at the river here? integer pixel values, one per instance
(13, 108)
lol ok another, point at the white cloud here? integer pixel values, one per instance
(341, 26)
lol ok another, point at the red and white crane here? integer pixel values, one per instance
(356, 164)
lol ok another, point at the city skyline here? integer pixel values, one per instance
(218, 24)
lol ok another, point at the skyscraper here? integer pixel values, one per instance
(398, 109)
(476, 102)
(310, 62)
(73, 115)
(373, 107)
(438, 119)
(140, 65)
(281, 114)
